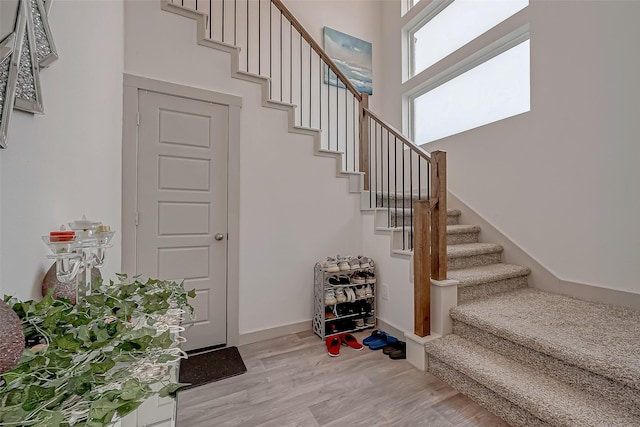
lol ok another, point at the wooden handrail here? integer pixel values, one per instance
(412, 145)
(430, 243)
(314, 45)
(422, 269)
(364, 164)
(439, 215)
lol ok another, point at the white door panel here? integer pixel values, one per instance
(182, 204)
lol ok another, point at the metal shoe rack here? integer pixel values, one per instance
(346, 313)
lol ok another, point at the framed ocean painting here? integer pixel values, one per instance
(353, 58)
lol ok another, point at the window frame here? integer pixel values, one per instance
(426, 81)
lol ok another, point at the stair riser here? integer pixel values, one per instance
(610, 390)
(393, 202)
(459, 238)
(493, 402)
(452, 239)
(473, 261)
(395, 220)
(470, 293)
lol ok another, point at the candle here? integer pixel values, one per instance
(62, 235)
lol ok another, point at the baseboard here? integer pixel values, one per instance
(389, 329)
(599, 294)
(279, 331)
(540, 278)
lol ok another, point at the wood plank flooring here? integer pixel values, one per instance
(292, 381)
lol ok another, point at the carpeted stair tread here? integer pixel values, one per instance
(613, 391)
(550, 400)
(599, 338)
(462, 229)
(487, 273)
(471, 249)
(485, 397)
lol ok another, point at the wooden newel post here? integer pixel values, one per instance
(439, 215)
(364, 140)
(421, 269)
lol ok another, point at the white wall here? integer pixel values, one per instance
(560, 180)
(7, 21)
(358, 18)
(67, 162)
(8, 10)
(293, 210)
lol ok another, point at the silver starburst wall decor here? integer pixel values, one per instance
(23, 53)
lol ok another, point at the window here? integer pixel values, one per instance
(490, 84)
(492, 91)
(455, 26)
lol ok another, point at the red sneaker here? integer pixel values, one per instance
(351, 341)
(333, 346)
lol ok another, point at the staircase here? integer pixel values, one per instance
(532, 357)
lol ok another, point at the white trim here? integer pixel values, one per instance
(168, 88)
(416, 354)
(389, 328)
(483, 55)
(417, 21)
(131, 86)
(278, 331)
(541, 276)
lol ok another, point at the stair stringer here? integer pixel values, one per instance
(355, 180)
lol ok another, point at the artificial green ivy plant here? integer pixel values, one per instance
(91, 363)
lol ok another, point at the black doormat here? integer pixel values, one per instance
(211, 366)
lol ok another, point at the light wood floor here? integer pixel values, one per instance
(292, 381)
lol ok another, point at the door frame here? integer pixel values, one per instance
(132, 85)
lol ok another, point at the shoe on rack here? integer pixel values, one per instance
(346, 295)
(343, 279)
(351, 341)
(358, 278)
(330, 265)
(343, 263)
(360, 292)
(359, 323)
(330, 297)
(338, 280)
(354, 263)
(370, 321)
(364, 261)
(369, 277)
(340, 296)
(368, 292)
(330, 328)
(333, 346)
(328, 313)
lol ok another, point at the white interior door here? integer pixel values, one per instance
(181, 231)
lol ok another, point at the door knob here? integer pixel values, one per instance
(219, 236)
